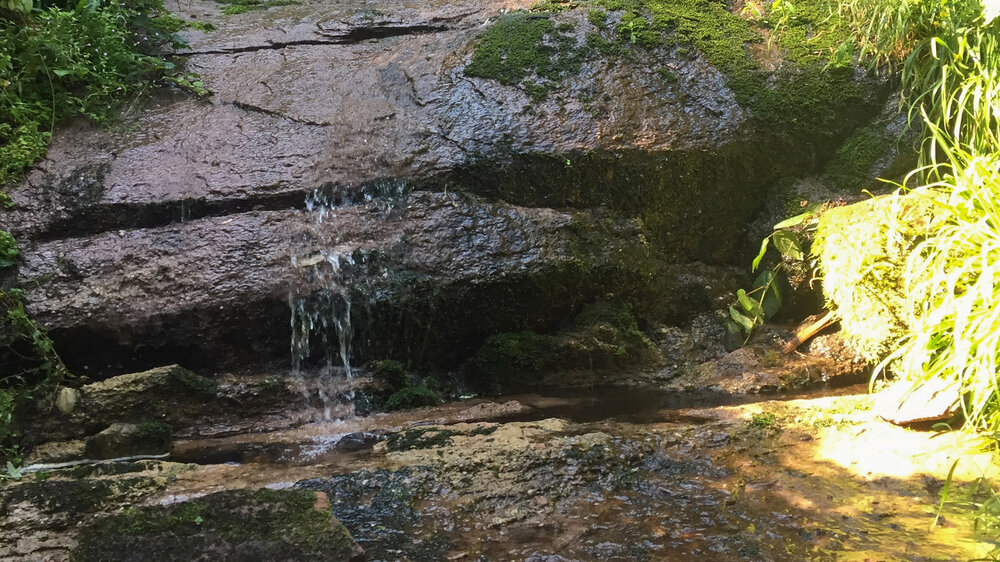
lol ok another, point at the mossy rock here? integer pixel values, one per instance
(57, 497)
(412, 397)
(230, 525)
(604, 336)
(521, 45)
(851, 167)
(862, 258)
(390, 375)
(125, 440)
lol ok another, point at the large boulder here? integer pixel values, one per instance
(461, 203)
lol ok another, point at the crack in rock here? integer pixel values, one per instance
(248, 107)
(347, 36)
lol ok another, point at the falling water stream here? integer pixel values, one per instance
(321, 312)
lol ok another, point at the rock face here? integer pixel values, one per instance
(459, 207)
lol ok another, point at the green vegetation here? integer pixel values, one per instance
(522, 45)
(68, 60)
(60, 60)
(603, 336)
(807, 93)
(412, 397)
(420, 438)
(765, 298)
(851, 166)
(861, 249)
(762, 421)
(913, 274)
(262, 524)
(391, 375)
(8, 249)
(395, 388)
(233, 7)
(29, 367)
(922, 262)
(431, 437)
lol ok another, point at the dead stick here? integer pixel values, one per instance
(803, 333)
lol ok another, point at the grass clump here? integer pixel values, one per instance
(935, 246)
(762, 421)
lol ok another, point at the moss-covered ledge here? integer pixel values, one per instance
(233, 525)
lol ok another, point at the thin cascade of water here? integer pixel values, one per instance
(321, 308)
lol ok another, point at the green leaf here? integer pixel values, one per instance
(60, 72)
(741, 320)
(760, 254)
(788, 244)
(751, 306)
(800, 218)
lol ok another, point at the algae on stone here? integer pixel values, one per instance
(233, 525)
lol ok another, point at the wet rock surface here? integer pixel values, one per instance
(630, 479)
(171, 234)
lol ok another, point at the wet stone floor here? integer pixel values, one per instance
(595, 475)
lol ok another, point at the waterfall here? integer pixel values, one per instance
(321, 305)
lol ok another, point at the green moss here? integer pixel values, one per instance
(169, 23)
(430, 437)
(762, 420)
(522, 45)
(422, 438)
(391, 374)
(851, 167)
(234, 7)
(603, 336)
(80, 496)
(668, 75)
(862, 258)
(412, 397)
(235, 524)
(517, 359)
(155, 432)
(6, 202)
(597, 17)
(195, 383)
(554, 6)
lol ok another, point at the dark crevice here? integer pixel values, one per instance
(123, 216)
(352, 36)
(257, 109)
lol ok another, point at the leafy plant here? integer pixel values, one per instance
(8, 249)
(765, 298)
(59, 62)
(29, 367)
